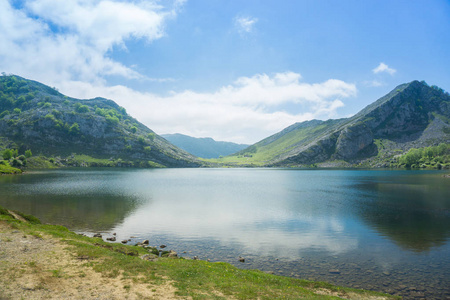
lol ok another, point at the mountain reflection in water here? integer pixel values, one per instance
(383, 230)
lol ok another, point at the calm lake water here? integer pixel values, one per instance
(376, 229)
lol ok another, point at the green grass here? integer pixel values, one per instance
(5, 168)
(192, 278)
(267, 150)
(89, 160)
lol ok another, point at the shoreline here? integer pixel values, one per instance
(49, 261)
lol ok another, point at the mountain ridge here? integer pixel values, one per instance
(412, 114)
(203, 147)
(38, 117)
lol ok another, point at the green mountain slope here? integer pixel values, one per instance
(37, 117)
(412, 115)
(203, 147)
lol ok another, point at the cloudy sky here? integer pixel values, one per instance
(231, 70)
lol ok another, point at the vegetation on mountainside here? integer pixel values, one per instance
(203, 147)
(37, 117)
(436, 157)
(191, 278)
(55, 127)
(414, 115)
(272, 147)
(5, 168)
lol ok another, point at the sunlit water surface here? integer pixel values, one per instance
(380, 230)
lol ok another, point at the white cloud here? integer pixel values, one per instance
(382, 67)
(85, 31)
(246, 111)
(245, 24)
(66, 44)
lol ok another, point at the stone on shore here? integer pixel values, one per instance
(149, 257)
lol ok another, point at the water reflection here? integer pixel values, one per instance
(82, 201)
(414, 212)
(365, 223)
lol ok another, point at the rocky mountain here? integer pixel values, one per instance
(203, 147)
(412, 115)
(37, 117)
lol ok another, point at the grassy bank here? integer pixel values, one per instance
(5, 168)
(122, 266)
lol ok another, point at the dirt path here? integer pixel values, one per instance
(44, 268)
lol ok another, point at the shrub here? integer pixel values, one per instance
(74, 129)
(133, 129)
(17, 163)
(142, 140)
(5, 113)
(17, 110)
(112, 120)
(28, 153)
(7, 154)
(81, 108)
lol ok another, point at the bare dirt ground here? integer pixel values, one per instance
(44, 268)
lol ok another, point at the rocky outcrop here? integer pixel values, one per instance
(353, 141)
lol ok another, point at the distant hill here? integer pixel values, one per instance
(37, 117)
(413, 115)
(203, 147)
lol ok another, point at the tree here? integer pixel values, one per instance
(74, 129)
(28, 153)
(7, 154)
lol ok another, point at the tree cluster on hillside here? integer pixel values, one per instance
(428, 157)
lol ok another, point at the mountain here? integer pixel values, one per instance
(37, 117)
(203, 147)
(412, 115)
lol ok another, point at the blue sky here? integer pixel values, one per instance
(232, 70)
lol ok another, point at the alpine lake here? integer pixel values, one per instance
(384, 230)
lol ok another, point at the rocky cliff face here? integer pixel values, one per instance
(38, 117)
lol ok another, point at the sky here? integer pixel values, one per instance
(235, 71)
